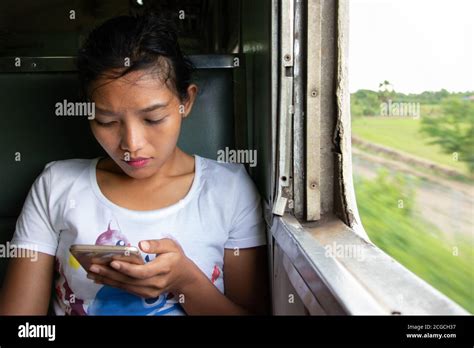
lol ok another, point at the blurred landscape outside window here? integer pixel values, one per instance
(412, 103)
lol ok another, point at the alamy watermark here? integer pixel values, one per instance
(352, 251)
(237, 156)
(9, 250)
(391, 108)
(28, 330)
(66, 108)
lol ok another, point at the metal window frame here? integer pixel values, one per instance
(285, 109)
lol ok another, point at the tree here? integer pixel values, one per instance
(386, 91)
(385, 86)
(453, 130)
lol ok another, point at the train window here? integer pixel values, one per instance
(412, 106)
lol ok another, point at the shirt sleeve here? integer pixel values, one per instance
(248, 226)
(34, 229)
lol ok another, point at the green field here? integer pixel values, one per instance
(402, 133)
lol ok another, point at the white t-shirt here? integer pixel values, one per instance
(65, 206)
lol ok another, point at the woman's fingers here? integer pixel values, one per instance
(99, 272)
(129, 273)
(138, 290)
(158, 266)
(159, 246)
(147, 280)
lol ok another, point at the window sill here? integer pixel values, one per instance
(335, 271)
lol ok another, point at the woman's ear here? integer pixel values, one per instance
(188, 103)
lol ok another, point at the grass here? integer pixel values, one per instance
(402, 133)
(415, 243)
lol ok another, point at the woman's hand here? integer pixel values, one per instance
(170, 271)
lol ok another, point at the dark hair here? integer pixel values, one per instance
(144, 42)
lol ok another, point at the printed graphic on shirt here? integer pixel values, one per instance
(112, 237)
(215, 274)
(69, 302)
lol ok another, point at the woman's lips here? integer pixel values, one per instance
(138, 162)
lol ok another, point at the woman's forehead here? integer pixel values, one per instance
(136, 84)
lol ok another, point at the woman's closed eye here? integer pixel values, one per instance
(148, 121)
(104, 124)
(153, 122)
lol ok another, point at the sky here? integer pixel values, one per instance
(417, 45)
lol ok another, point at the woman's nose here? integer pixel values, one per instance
(132, 138)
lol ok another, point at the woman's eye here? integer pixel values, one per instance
(106, 124)
(155, 121)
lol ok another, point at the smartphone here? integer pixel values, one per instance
(87, 254)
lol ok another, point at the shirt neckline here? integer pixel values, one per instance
(146, 214)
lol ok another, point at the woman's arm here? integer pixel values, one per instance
(246, 278)
(27, 286)
(245, 282)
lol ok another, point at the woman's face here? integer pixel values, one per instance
(138, 121)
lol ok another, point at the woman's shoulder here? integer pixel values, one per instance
(225, 176)
(68, 166)
(59, 177)
(223, 170)
(62, 173)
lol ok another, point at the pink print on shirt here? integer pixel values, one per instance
(215, 274)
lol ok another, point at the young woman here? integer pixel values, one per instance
(197, 222)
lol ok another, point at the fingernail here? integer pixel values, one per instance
(144, 245)
(94, 269)
(115, 265)
(90, 276)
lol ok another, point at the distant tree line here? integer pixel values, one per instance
(366, 102)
